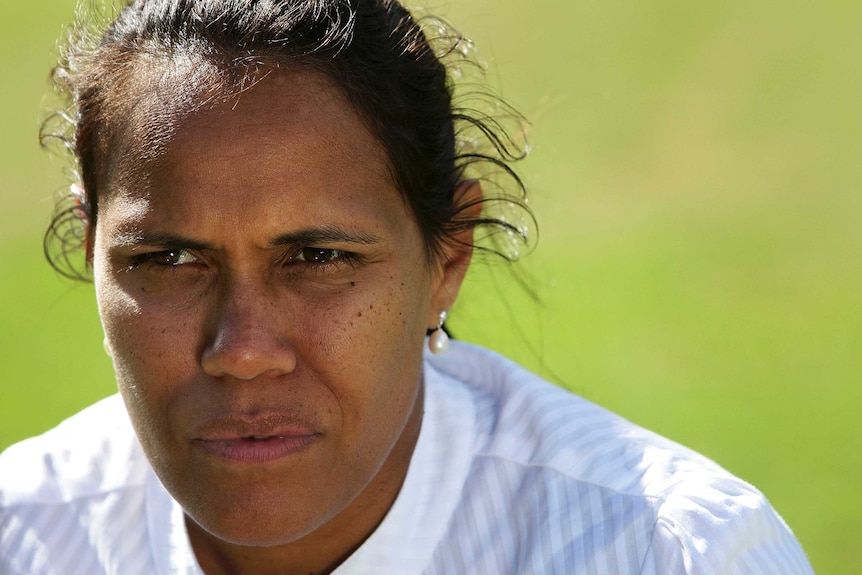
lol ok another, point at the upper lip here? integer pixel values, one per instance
(233, 427)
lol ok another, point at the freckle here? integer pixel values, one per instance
(359, 314)
(371, 306)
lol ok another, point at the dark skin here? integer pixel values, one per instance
(265, 293)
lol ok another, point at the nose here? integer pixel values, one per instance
(249, 338)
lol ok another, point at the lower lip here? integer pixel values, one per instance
(256, 450)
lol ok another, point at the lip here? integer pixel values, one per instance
(256, 441)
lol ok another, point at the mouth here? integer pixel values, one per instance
(256, 448)
(254, 442)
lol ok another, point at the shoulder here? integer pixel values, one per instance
(67, 492)
(523, 419)
(92, 452)
(721, 525)
(568, 466)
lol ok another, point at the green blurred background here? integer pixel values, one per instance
(696, 173)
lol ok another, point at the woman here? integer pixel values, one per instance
(279, 202)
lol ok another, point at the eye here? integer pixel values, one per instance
(171, 257)
(318, 255)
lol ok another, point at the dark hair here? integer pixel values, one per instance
(405, 77)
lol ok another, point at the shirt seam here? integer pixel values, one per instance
(558, 471)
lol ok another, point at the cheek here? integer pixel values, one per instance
(371, 353)
(155, 368)
(379, 324)
(149, 345)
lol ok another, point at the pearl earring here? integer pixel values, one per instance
(439, 340)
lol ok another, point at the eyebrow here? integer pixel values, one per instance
(303, 237)
(138, 238)
(324, 235)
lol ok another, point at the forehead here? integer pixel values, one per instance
(170, 106)
(292, 138)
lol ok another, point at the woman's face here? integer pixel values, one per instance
(265, 292)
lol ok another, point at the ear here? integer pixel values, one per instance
(454, 260)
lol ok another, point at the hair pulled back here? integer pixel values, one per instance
(405, 77)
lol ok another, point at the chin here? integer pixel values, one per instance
(249, 532)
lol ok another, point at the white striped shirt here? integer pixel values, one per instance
(510, 475)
